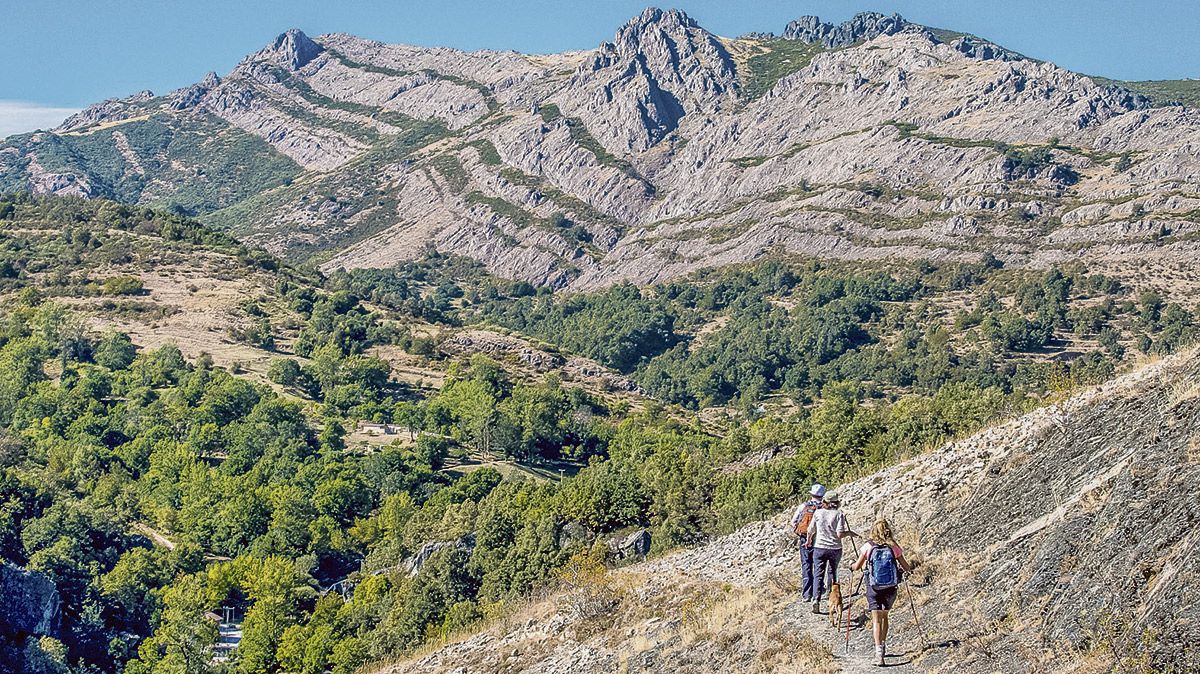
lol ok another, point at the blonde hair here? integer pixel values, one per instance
(881, 533)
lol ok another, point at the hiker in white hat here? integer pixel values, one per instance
(800, 522)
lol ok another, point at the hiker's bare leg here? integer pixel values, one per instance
(878, 629)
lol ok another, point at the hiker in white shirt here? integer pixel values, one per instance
(825, 534)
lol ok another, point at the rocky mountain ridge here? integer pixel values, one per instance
(667, 150)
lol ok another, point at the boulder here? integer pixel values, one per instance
(574, 535)
(633, 546)
(415, 563)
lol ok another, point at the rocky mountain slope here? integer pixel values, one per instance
(1061, 541)
(666, 150)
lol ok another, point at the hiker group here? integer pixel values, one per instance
(820, 527)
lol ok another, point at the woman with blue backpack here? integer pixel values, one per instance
(885, 564)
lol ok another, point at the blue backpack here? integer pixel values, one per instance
(884, 571)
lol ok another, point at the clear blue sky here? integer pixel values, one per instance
(70, 53)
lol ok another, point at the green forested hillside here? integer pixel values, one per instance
(795, 329)
(153, 488)
(192, 164)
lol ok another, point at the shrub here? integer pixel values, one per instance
(123, 285)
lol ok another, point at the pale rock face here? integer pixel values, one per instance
(894, 142)
(864, 26)
(292, 50)
(634, 91)
(42, 181)
(242, 103)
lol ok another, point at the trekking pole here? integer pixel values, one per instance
(913, 605)
(854, 540)
(850, 604)
(848, 600)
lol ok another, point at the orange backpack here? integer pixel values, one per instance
(806, 518)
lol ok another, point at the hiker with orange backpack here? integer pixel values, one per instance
(885, 565)
(800, 522)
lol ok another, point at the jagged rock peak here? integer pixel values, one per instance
(864, 26)
(292, 50)
(667, 38)
(654, 25)
(188, 97)
(653, 16)
(661, 65)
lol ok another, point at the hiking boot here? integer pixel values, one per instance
(817, 607)
(879, 656)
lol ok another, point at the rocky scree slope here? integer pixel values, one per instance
(1058, 542)
(666, 150)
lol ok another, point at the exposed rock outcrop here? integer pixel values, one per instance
(635, 545)
(111, 110)
(31, 605)
(864, 26)
(978, 48)
(190, 97)
(415, 563)
(633, 92)
(292, 50)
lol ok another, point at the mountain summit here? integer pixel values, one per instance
(292, 49)
(661, 152)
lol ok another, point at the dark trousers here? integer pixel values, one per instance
(806, 569)
(825, 560)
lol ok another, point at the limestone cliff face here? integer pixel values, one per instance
(634, 91)
(885, 140)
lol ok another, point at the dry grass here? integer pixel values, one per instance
(499, 619)
(677, 623)
(593, 599)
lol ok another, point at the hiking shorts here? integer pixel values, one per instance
(881, 599)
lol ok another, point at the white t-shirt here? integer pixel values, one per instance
(826, 529)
